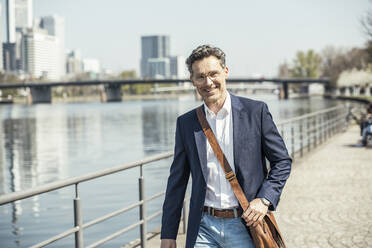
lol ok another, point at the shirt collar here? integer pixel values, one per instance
(225, 110)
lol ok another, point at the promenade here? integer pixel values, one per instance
(328, 197)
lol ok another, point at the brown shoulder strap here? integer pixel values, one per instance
(229, 173)
(258, 231)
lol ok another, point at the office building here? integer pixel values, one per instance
(9, 47)
(158, 68)
(10, 22)
(23, 13)
(74, 63)
(55, 26)
(40, 53)
(18, 48)
(9, 58)
(1, 41)
(23, 21)
(153, 47)
(177, 67)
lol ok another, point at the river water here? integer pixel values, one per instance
(43, 143)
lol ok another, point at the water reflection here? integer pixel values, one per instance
(158, 127)
(17, 137)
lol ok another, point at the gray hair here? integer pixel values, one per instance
(205, 51)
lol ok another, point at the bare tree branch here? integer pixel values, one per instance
(366, 22)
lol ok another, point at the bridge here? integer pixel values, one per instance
(41, 92)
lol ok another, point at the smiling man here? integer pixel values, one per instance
(247, 135)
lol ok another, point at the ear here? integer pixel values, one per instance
(226, 70)
(192, 81)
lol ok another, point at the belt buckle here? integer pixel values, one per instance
(212, 211)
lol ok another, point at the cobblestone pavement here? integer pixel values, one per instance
(328, 198)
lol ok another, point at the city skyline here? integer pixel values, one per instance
(256, 36)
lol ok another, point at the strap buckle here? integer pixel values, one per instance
(230, 175)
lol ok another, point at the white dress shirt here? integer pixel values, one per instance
(219, 192)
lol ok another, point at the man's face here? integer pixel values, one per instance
(209, 78)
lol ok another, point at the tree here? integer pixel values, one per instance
(283, 71)
(366, 22)
(333, 63)
(306, 65)
(336, 60)
(369, 53)
(136, 88)
(129, 74)
(9, 79)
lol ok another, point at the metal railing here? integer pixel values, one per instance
(79, 226)
(310, 130)
(302, 132)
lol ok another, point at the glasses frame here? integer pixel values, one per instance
(212, 75)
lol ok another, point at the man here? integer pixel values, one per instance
(366, 125)
(247, 134)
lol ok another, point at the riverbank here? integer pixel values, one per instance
(139, 97)
(363, 99)
(97, 98)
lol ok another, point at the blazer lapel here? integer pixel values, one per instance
(201, 145)
(238, 126)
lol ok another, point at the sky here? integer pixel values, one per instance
(256, 35)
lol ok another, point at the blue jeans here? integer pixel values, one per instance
(367, 129)
(222, 233)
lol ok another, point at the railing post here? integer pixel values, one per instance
(315, 132)
(185, 216)
(301, 141)
(321, 131)
(328, 126)
(79, 242)
(341, 121)
(292, 142)
(308, 135)
(333, 123)
(141, 181)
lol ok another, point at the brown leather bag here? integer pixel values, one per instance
(265, 234)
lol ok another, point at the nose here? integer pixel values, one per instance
(209, 81)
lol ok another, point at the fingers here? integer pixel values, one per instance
(255, 212)
(252, 217)
(259, 220)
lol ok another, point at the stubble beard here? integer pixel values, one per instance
(215, 101)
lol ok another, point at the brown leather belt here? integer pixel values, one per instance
(223, 213)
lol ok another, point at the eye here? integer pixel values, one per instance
(199, 77)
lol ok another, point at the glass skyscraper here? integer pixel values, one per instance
(153, 47)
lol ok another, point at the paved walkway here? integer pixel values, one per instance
(327, 201)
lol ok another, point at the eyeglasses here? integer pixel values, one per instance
(200, 78)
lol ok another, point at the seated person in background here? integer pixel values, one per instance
(366, 125)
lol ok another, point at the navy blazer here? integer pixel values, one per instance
(255, 137)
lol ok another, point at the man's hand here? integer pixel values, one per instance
(168, 243)
(255, 213)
